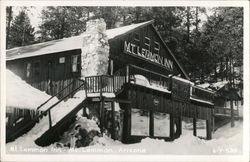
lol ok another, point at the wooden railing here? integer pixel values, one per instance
(70, 93)
(153, 77)
(114, 83)
(224, 111)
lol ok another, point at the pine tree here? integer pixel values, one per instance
(21, 32)
(9, 17)
(63, 21)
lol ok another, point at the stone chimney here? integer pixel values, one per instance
(95, 49)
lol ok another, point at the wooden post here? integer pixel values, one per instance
(213, 118)
(232, 113)
(50, 121)
(151, 124)
(238, 108)
(102, 115)
(208, 127)
(113, 120)
(125, 125)
(194, 127)
(180, 125)
(171, 126)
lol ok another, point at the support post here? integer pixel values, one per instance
(180, 125)
(151, 124)
(172, 127)
(238, 108)
(102, 115)
(208, 127)
(232, 113)
(113, 120)
(194, 127)
(50, 121)
(213, 120)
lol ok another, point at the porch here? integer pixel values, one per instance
(135, 88)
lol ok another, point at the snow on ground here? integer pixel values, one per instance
(19, 94)
(226, 140)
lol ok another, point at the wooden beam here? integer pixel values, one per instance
(194, 127)
(102, 115)
(117, 100)
(208, 128)
(113, 120)
(172, 126)
(50, 121)
(180, 125)
(151, 123)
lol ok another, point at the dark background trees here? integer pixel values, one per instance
(19, 30)
(208, 49)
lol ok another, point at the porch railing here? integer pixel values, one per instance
(128, 74)
(224, 111)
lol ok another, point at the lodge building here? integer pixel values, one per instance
(130, 76)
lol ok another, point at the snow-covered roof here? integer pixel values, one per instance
(219, 85)
(20, 94)
(204, 85)
(214, 86)
(65, 44)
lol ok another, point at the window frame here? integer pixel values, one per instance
(147, 44)
(155, 48)
(76, 63)
(28, 70)
(137, 38)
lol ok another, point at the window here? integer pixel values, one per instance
(28, 70)
(137, 38)
(147, 43)
(157, 47)
(75, 63)
(139, 122)
(37, 68)
(62, 60)
(161, 124)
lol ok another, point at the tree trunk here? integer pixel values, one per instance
(9, 10)
(188, 23)
(196, 19)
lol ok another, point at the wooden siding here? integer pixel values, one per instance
(120, 58)
(51, 76)
(143, 98)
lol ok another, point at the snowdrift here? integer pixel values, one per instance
(20, 94)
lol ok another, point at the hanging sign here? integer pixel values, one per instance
(156, 101)
(143, 53)
(180, 89)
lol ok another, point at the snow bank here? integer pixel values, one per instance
(215, 86)
(226, 141)
(19, 94)
(57, 113)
